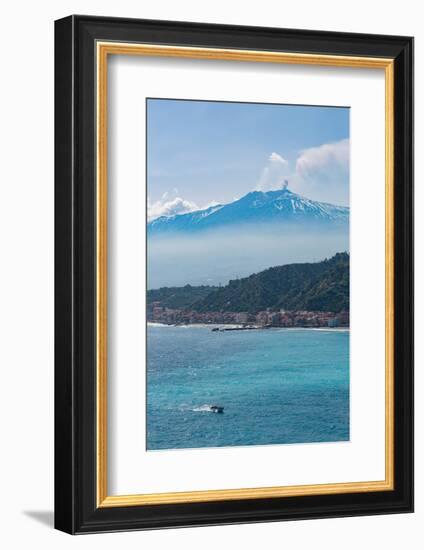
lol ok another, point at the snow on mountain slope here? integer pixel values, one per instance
(281, 206)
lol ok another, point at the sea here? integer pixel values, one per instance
(277, 386)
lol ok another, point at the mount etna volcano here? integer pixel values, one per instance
(257, 207)
(257, 231)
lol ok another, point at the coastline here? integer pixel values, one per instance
(232, 327)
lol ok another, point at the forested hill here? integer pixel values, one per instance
(321, 286)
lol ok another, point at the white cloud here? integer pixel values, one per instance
(169, 205)
(274, 173)
(275, 157)
(322, 173)
(329, 157)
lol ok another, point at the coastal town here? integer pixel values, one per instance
(263, 319)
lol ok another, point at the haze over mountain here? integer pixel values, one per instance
(257, 231)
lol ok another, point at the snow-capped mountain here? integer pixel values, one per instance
(272, 207)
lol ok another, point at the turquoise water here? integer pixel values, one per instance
(277, 386)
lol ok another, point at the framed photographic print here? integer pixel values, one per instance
(233, 274)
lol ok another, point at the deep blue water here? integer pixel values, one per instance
(277, 386)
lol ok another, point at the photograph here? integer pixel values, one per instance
(248, 267)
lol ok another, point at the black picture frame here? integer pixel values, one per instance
(76, 510)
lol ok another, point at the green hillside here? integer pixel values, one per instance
(321, 286)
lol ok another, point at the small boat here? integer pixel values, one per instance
(217, 409)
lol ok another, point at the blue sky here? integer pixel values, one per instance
(202, 152)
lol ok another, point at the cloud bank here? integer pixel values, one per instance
(217, 256)
(169, 205)
(329, 161)
(322, 173)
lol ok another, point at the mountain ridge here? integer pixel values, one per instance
(318, 286)
(280, 206)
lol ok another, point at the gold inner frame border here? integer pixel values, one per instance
(103, 50)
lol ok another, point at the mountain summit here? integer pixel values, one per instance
(257, 207)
